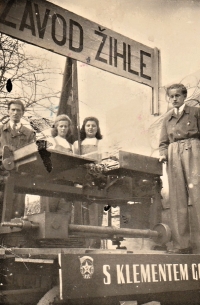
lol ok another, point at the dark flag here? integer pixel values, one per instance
(69, 96)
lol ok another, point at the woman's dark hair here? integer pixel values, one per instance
(178, 86)
(83, 133)
(54, 130)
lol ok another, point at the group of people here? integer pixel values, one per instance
(90, 136)
(90, 140)
(179, 147)
(15, 135)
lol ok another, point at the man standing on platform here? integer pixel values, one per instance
(180, 147)
(15, 135)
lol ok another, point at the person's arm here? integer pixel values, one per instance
(163, 143)
(75, 148)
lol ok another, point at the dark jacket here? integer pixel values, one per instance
(174, 129)
(17, 139)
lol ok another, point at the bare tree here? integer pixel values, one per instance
(31, 79)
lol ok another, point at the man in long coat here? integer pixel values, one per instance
(180, 148)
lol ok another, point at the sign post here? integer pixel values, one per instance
(51, 27)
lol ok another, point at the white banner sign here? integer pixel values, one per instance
(51, 27)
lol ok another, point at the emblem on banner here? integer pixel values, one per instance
(86, 267)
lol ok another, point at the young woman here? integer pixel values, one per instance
(61, 132)
(91, 139)
(91, 146)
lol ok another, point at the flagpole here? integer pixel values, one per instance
(76, 101)
(69, 102)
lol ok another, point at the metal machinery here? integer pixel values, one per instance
(43, 256)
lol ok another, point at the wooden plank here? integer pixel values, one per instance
(25, 151)
(33, 260)
(31, 185)
(44, 252)
(127, 302)
(152, 303)
(29, 159)
(140, 163)
(58, 30)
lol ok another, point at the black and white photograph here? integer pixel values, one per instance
(100, 152)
